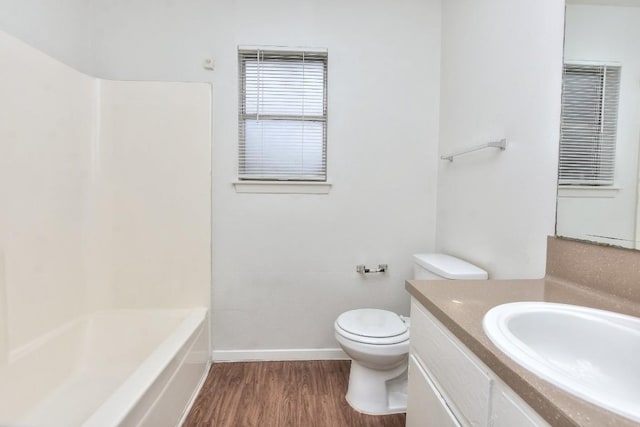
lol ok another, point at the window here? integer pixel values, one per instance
(282, 115)
(589, 124)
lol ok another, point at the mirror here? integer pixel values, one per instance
(599, 202)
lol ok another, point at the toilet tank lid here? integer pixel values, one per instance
(450, 267)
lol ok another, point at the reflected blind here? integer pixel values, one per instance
(589, 124)
(283, 115)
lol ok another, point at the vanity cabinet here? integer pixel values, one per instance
(450, 386)
(428, 407)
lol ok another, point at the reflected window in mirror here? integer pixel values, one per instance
(589, 124)
(607, 32)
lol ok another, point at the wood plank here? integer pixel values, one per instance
(280, 394)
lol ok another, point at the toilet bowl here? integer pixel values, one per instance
(377, 341)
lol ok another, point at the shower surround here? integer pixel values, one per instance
(105, 244)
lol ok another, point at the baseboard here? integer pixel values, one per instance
(278, 355)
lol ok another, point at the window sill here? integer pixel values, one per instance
(579, 191)
(282, 187)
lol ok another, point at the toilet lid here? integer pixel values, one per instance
(372, 323)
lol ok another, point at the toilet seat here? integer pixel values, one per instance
(372, 326)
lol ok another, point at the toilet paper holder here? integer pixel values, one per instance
(362, 269)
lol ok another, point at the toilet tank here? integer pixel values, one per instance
(442, 267)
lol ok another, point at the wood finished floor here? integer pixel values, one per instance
(280, 394)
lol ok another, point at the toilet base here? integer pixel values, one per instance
(376, 392)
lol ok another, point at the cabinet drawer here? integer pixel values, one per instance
(426, 407)
(459, 377)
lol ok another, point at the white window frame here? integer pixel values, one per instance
(282, 170)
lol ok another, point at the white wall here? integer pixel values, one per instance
(284, 265)
(501, 77)
(608, 34)
(62, 28)
(155, 40)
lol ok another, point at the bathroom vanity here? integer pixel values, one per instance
(458, 377)
(451, 386)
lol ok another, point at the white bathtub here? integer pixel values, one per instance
(112, 368)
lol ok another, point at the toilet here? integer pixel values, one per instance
(377, 341)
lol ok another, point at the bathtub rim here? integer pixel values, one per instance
(119, 404)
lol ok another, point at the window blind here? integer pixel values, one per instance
(282, 115)
(589, 124)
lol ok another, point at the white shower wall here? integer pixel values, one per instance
(105, 192)
(152, 195)
(46, 133)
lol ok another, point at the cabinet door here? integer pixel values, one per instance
(509, 410)
(425, 406)
(465, 383)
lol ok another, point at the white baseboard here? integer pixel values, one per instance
(278, 355)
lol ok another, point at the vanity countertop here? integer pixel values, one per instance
(461, 305)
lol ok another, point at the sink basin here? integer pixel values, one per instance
(593, 354)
